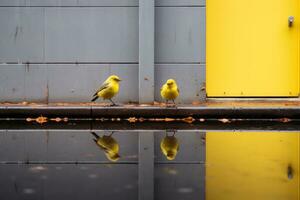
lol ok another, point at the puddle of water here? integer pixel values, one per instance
(208, 165)
(252, 165)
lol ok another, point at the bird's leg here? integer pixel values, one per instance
(111, 133)
(113, 103)
(174, 103)
(171, 131)
(95, 135)
(174, 132)
(167, 103)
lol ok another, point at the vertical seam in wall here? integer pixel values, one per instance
(24, 83)
(44, 34)
(47, 91)
(44, 55)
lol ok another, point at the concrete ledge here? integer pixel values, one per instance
(203, 111)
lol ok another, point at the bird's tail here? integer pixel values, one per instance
(95, 98)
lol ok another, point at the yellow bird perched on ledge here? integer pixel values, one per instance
(108, 89)
(169, 91)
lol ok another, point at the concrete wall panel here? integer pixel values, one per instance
(21, 34)
(190, 79)
(180, 35)
(53, 36)
(91, 34)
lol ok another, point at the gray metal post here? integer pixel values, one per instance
(146, 51)
(146, 166)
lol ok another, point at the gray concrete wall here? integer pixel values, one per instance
(73, 45)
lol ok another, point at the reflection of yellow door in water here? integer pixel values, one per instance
(251, 49)
(254, 166)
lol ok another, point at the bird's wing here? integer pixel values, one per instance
(102, 87)
(177, 90)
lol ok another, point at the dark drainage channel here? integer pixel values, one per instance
(132, 123)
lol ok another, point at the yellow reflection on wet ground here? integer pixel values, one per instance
(252, 165)
(109, 145)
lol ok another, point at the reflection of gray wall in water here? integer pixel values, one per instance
(72, 49)
(88, 174)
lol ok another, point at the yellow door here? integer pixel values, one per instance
(252, 48)
(252, 166)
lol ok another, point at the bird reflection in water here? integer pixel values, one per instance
(169, 146)
(109, 145)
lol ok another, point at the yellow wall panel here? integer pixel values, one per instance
(248, 166)
(251, 50)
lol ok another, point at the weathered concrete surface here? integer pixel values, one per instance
(210, 109)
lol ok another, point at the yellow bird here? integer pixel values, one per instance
(109, 145)
(169, 91)
(169, 146)
(108, 89)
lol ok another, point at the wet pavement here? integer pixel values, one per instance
(215, 160)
